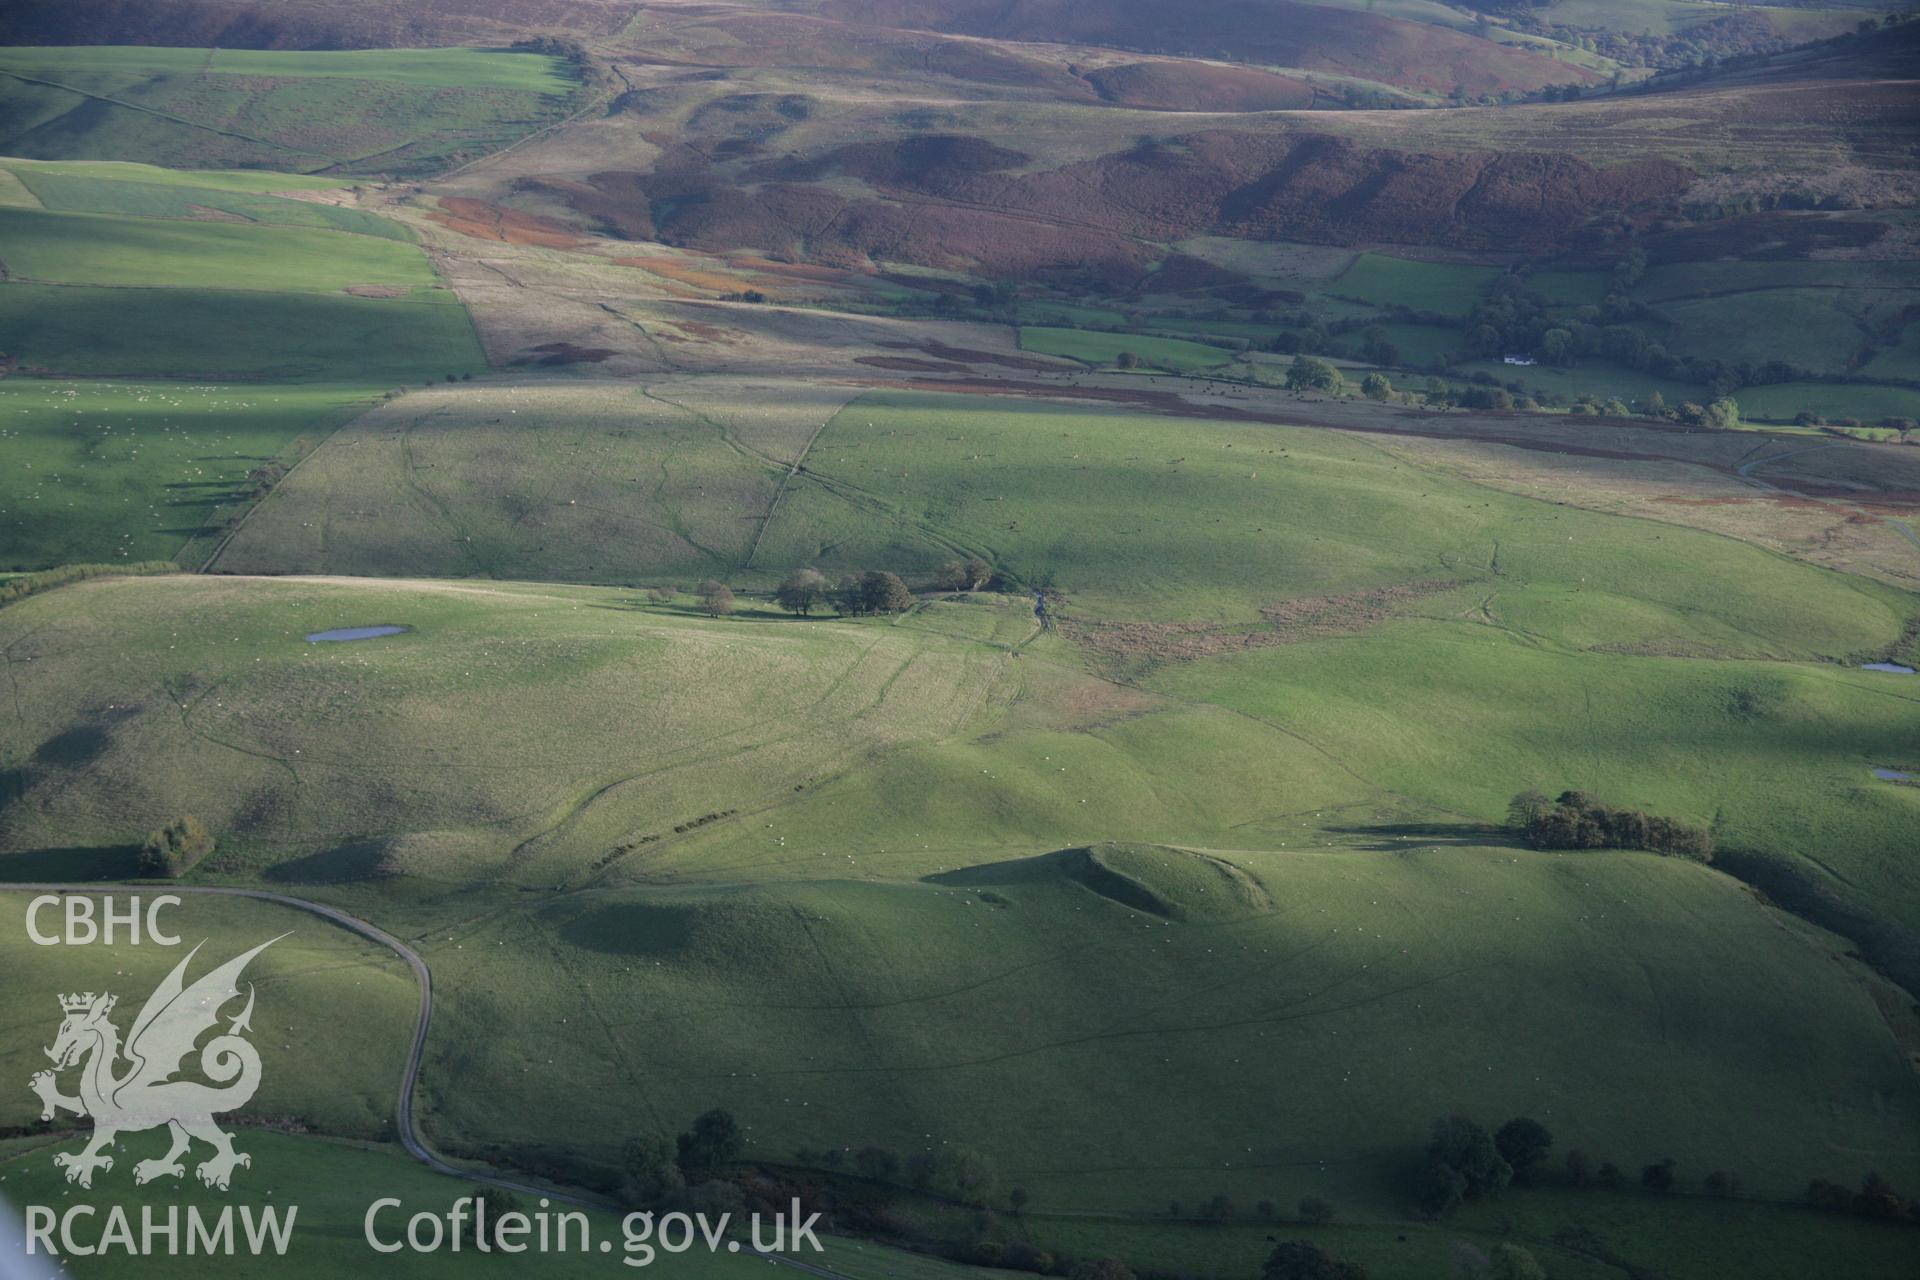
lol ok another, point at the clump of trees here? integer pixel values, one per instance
(876, 591)
(1463, 1164)
(658, 1170)
(971, 574)
(713, 1140)
(1305, 1260)
(1524, 1143)
(800, 591)
(652, 1174)
(1722, 414)
(957, 1173)
(855, 594)
(1310, 373)
(1875, 1199)
(174, 849)
(1576, 820)
(1510, 318)
(803, 591)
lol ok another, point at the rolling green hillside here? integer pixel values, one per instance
(359, 111)
(1137, 517)
(212, 335)
(1108, 1057)
(105, 249)
(914, 957)
(315, 757)
(1163, 879)
(96, 65)
(130, 471)
(1310, 581)
(247, 341)
(147, 191)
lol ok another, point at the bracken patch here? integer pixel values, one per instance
(483, 221)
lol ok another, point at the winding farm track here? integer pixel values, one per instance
(1745, 469)
(403, 1107)
(1745, 472)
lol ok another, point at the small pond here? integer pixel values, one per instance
(1893, 667)
(354, 633)
(1895, 775)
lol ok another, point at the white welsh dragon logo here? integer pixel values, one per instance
(144, 1095)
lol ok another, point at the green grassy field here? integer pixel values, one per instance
(1897, 359)
(816, 858)
(1595, 378)
(1353, 806)
(513, 802)
(1108, 1058)
(150, 192)
(418, 487)
(907, 972)
(211, 335)
(1677, 15)
(431, 68)
(1229, 517)
(1783, 401)
(1711, 279)
(1069, 314)
(1206, 329)
(112, 471)
(1193, 883)
(108, 471)
(1447, 288)
(1803, 327)
(1421, 344)
(103, 249)
(120, 275)
(247, 181)
(1768, 746)
(360, 111)
(1174, 354)
(1571, 288)
(1507, 588)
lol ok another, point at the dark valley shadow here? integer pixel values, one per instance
(110, 862)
